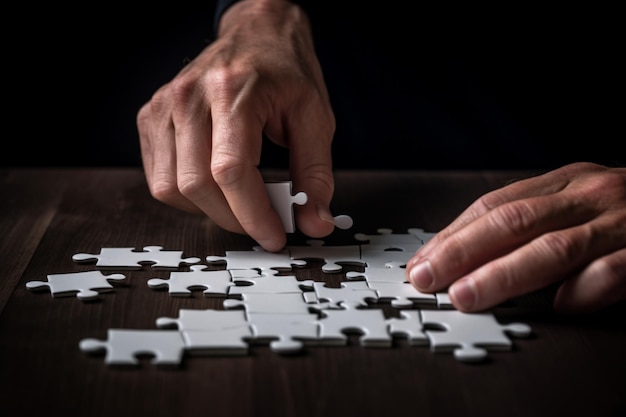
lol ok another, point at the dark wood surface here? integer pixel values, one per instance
(570, 366)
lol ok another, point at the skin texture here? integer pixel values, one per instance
(201, 135)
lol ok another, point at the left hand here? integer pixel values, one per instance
(567, 225)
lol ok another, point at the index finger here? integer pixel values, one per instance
(236, 153)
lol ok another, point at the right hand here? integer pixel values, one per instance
(201, 133)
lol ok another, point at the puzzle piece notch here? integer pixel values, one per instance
(470, 335)
(85, 285)
(129, 258)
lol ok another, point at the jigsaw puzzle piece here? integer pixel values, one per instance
(409, 326)
(270, 284)
(332, 256)
(211, 332)
(85, 285)
(281, 303)
(124, 345)
(352, 294)
(269, 263)
(470, 335)
(129, 258)
(370, 324)
(214, 283)
(282, 201)
(286, 333)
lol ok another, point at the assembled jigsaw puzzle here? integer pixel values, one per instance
(265, 303)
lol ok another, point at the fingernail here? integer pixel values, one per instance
(463, 292)
(421, 275)
(325, 214)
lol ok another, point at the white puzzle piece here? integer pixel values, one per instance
(282, 201)
(124, 345)
(84, 285)
(129, 258)
(470, 335)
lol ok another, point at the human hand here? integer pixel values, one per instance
(201, 133)
(567, 225)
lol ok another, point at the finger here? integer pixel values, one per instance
(158, 150)
(193, 123)
(498, 232)
(543, 261)
(311, 171)
(237, 139)
(541, 185)
(599, 285)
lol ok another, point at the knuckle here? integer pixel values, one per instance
(560, 247)
(192, 185)
(517, 217)
(227, 170)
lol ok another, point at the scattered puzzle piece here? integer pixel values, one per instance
(124, 345)
(85, 285)
(129, 258)
(470, 336)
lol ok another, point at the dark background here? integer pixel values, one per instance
(411, 88)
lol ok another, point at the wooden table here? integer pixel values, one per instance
(569, 367)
